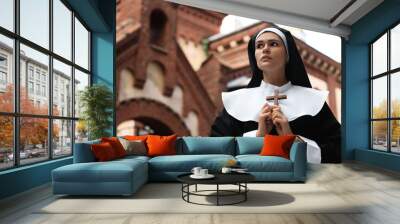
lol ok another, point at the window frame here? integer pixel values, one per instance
(388, 74)
(15, 71)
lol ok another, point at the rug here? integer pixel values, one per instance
(167, 198)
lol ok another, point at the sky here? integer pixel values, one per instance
(330, 45)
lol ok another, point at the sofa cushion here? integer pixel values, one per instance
(134, 147)
(249, 145)
(206, 145)
(257, 163)
(185, 163)
(135, 137)
(132, 158)
(277, 145)
(103, 151)
(161, 145)
(116, 145)
(112, 171)
(83, 152)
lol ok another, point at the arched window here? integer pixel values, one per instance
(158, 21)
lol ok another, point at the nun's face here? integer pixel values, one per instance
(270, 52)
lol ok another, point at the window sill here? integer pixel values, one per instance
(26, 167)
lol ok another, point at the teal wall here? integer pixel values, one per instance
(99, 16)
(24, 178)
(355, 85)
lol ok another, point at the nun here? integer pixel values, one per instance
(279, 100)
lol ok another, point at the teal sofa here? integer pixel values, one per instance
(125, 176)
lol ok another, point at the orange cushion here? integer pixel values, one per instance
(275, 145)
(161, 145)
(136, 137)
(116, 145)
(103, 151)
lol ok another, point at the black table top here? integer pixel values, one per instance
(220, 178)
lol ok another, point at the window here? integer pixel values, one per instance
(3, 61)
(37, 74)
(3, 72)
(385, 97)
(34, 22)
(7, 14)
(30, 72)
(81, 45)
(30, 87)
(158, 21)
(54, 125)
(43, 90)
(38, 89)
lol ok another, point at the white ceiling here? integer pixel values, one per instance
(324, 16)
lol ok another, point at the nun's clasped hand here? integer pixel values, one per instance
(269, 116)
(265, 120)
(280, 121)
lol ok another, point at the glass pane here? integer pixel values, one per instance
(395, 94)
(379, 55)
(81, 81)
(7, 14)
(6, 74)
(33, 139)
(81, 131)
(62, 29)
(6, 142)
(35, 21)
(62, 141)
(34, 72)
(81, 45)
(379, 135)
(395, 136)
(379, 98)
(62, 89)
(395, 47)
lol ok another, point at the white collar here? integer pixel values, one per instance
(245, 104)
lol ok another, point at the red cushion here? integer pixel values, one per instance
(116, 145)
(275, 145)
(161, 145)
(103, 151)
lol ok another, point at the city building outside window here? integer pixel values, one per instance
(56, 126)
(385, 97)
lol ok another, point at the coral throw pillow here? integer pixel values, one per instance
(161, 145)
(277, 145)
(103, 151)
(116, 145)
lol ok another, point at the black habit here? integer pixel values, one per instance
(323, 128)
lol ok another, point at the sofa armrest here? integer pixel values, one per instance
(298, 155)
(83, 152)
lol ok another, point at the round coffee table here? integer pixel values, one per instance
(238, 179)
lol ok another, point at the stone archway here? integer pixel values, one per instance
(153, 113)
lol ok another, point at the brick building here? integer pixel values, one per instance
(172, 66)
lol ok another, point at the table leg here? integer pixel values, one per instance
(245, 193)
(196, 188)
(217, 194)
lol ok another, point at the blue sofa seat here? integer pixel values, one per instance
(257, 163)
(119, 177)
(167, 168)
